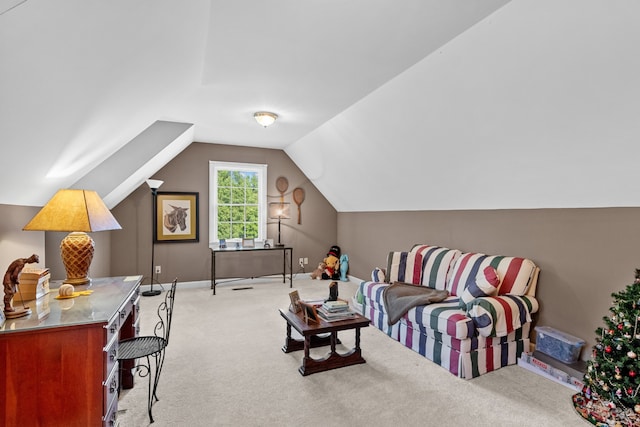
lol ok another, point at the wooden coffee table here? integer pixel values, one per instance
(310, 333)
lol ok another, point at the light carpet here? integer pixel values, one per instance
(225, 367)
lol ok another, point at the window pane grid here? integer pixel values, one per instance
(238, 204)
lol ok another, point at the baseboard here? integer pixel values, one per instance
(207, 283)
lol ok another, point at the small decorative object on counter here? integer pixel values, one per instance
(10, 282)
(333, 291)
(66, 290)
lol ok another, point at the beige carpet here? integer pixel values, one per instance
(225, 367)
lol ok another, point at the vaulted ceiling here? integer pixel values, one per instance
(414, 104)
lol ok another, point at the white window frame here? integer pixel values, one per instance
(261, 170)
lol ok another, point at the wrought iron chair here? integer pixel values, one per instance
(152, 347)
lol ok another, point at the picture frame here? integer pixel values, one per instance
(309, 313)
(295, 307)
(176, 217)
(248, 243)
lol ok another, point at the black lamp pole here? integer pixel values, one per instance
(279, 218)
(154, 192)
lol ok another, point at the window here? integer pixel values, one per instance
(238, 201)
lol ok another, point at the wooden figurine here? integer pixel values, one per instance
(10, 282)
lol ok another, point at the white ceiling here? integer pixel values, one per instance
(434, 104)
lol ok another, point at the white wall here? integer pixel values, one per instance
(534, 107)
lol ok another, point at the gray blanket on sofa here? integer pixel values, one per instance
(401, 297)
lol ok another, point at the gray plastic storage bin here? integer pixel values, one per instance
(557, 344)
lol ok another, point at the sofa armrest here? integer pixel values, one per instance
(500, 315)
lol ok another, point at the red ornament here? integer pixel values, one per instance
(632, 374)
(620, 326)
(607, 349)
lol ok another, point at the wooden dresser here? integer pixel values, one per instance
(59, 366)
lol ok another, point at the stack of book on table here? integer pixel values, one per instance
(32, 284)
(332, 311)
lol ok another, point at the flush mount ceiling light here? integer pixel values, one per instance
(265, 118)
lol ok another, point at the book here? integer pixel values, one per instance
(335, 309)
(32, 284)
(336, 305)
(332, 316)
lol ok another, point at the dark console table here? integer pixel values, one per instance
(248, 252)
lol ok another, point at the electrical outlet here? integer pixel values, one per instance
(301, 262)
(158, 269)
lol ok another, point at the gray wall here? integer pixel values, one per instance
(15, 243)
(584, 254)
(189, 171)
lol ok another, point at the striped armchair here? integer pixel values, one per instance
(482, 325)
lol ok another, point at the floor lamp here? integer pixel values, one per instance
(153, 184)
(279, 211)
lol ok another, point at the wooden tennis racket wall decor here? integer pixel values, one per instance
(298, 197)
(282, 184)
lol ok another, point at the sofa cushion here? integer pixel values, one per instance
(404, 267)
(372, 294)
(500, 315)
(436, 265)
(377, 275)
(445, 317)
(485, 284)
(516, 274)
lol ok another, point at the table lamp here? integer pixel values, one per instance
(79, 212)
(279, 211)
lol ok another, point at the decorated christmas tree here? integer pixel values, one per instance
(612, 382)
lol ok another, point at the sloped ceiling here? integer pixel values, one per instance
(534, 107)
(419, 104)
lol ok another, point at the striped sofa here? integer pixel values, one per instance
(479, 327)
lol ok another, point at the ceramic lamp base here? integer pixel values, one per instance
(77, 253)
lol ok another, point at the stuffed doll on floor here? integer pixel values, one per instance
(332, 264)
(317, 273)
